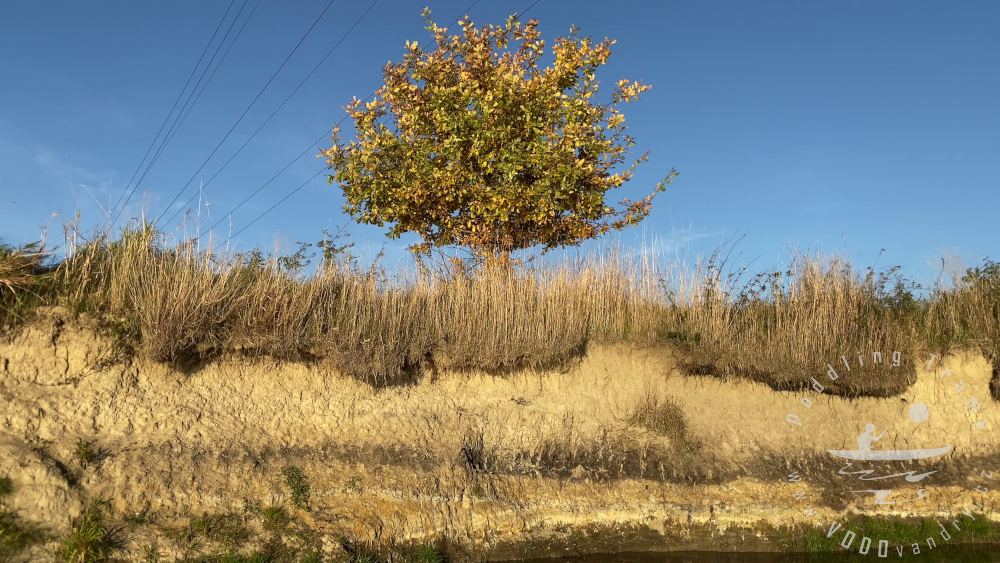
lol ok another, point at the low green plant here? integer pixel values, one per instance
(92, 540)
(230, 558)
(682, 336)
(258, 557)
(151, 553)
(15, 536)
(276, 518)
(6, 488)
(818, 542)
(353, 484)
(252, 507)
(363, 557)
(296, 481)
(782, 537)
(311, 557)
(125, 336)
(427, 553)
(226, 530)
(981, 528)
(900, 532)
(85, 453)
(138, 519)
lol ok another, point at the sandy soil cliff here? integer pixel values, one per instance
(501, 466)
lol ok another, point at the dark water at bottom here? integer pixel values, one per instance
(960, 555)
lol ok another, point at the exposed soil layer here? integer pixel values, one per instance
(499, 467)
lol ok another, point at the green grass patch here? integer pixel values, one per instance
(298, 485)
(276, 518)
(226, 532)
(427, 553)
(92, 540)
(15, 535)
(85, 453)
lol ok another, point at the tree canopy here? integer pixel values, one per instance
(472, 144)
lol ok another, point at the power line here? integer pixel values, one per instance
(245, 111)
(293, 192)
(287, 166)
(188, 202)
(189, 103)
(280, 201)
(177, 119)
(210, 76)
(177, 101)
(255, 192)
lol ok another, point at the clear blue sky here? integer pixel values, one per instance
(840, 126)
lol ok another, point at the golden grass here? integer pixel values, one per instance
(181, 304)
(23, 276)
(663, 416)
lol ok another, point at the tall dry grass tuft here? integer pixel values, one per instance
(785, 327)
(23, 278)
(183, 304)
(969, 314)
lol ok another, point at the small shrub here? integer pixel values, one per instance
(299, 486)
(313, 557)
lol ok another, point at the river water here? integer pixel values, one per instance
(951, 555)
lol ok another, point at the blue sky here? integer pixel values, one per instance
(845, 127)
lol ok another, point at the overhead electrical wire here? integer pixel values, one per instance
(192, 98)
(294, 160)
(195, 175)
(293, 192)
(188, 202)
(177, 101)
(210, 76)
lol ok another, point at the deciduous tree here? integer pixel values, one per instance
(473, 144)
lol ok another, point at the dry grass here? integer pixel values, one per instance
(663, 416)
(182, 304)
(22, 278)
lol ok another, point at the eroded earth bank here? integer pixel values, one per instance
(623, 450)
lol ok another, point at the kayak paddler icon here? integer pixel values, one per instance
(865, 451)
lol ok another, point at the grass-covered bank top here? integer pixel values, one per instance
(174, 303)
